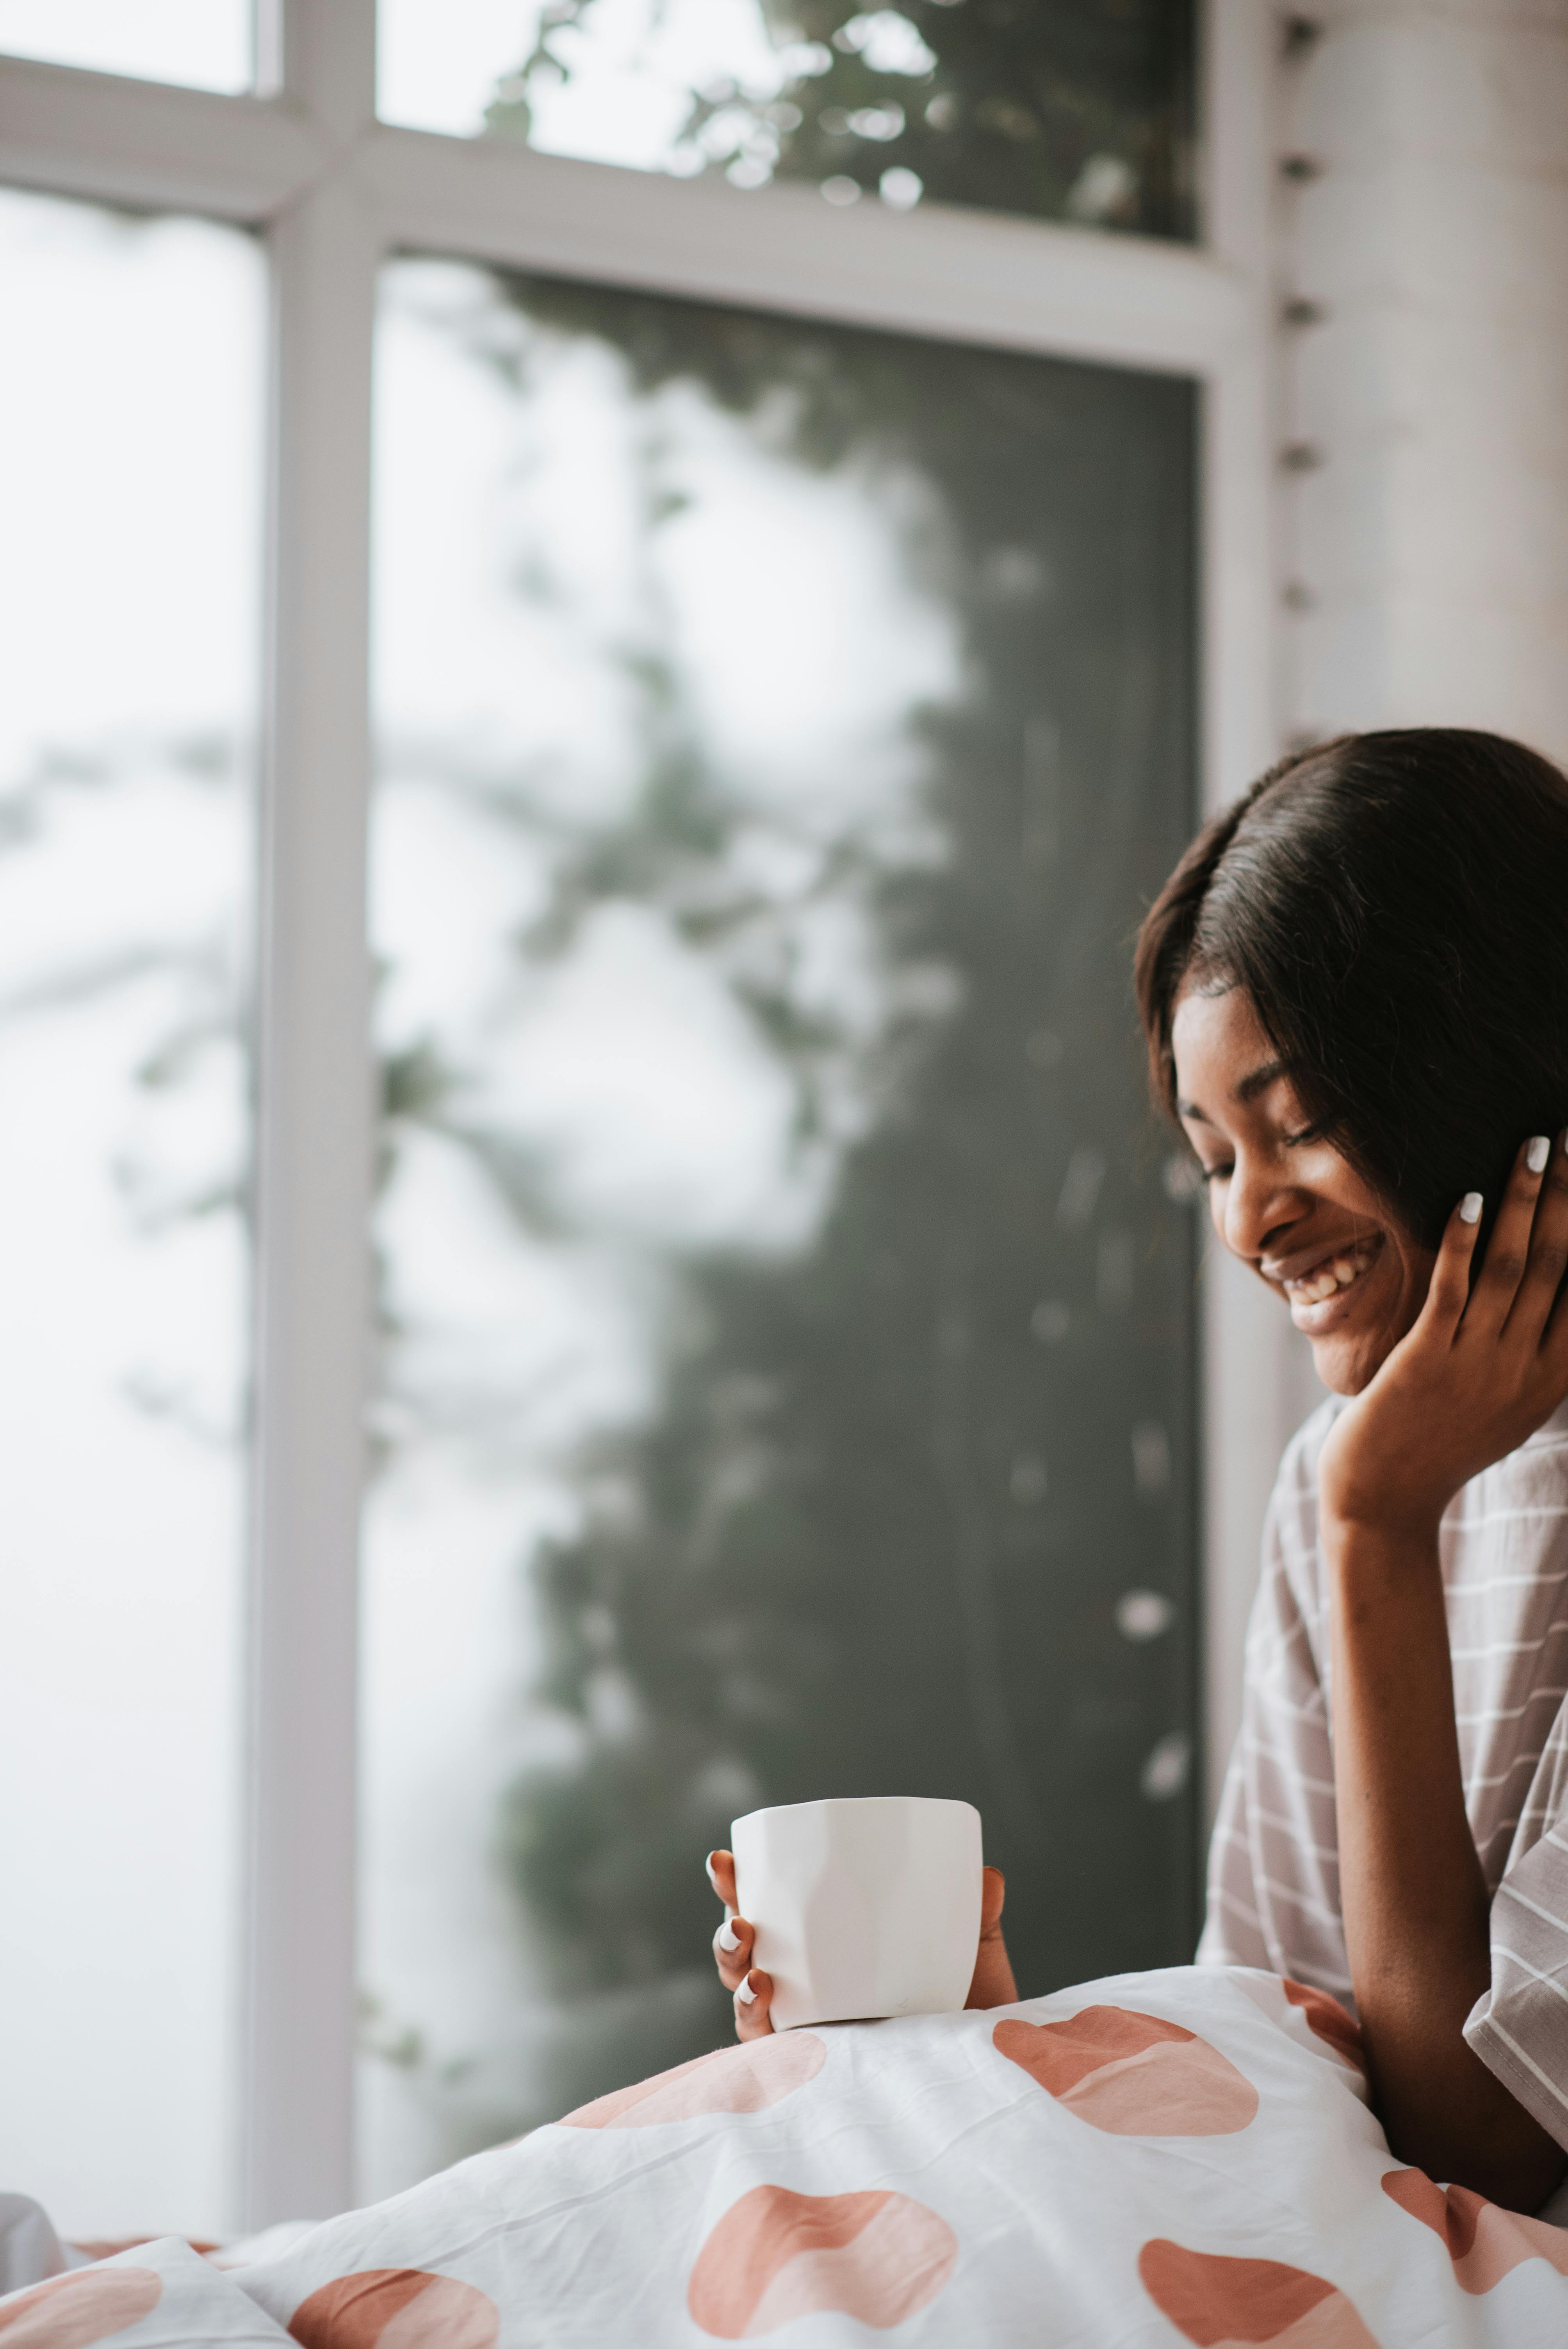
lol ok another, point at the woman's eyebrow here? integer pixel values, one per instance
(1258, 1081)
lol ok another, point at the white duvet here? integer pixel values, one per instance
(1154, 2159)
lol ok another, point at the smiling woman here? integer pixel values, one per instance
(1355, 999)
(1392, 904)
(1353, 1275)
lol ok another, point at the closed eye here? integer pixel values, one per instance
(1298, 1141)
(1217, 1174)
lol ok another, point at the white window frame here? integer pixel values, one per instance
(305, 160)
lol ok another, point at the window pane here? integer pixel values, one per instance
(787, 1331)
(202, 44)
(1082, 111)
(128, 441)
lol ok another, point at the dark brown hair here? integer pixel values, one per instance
(1395, 904)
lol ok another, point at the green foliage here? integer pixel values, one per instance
(826, 1565)
(1075, 110)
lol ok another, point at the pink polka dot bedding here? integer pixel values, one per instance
(1160, 2158)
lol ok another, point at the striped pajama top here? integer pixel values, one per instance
(1273, 1866)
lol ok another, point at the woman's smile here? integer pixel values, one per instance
(1285, 1200)
(1325, 1286)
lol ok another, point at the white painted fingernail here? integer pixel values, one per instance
(1470, 1207)
(726, 1939)
(711, 1877)
(745, 1994)
(1539, 1152)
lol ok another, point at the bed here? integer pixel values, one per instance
(1184, 2156)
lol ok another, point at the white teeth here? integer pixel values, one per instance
(1330, 1278)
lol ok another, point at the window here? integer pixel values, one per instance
(786, 1372)
(722, 1069)
(1082, 112)
(204, 44)
(129, 443)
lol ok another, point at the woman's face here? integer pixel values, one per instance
(1285, 1202)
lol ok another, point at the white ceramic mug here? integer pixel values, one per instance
(862, 1908)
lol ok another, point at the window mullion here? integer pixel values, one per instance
(1251, 1384)
(313, 1163)
(321, 52)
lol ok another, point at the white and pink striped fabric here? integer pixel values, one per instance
(1273, 1876)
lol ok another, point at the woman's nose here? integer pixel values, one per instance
(1259, 1203)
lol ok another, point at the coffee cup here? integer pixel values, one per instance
(864, 1907)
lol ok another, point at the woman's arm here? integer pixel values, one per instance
(1477, 1374)
(1413, 1896)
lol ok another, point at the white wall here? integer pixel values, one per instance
(1421, 521)
(1428, 549)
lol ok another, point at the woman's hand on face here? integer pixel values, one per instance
(1479, 1371)
(993, 1983)
(750, 1991)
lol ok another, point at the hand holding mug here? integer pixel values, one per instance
(752, 1991)
(751, 1988)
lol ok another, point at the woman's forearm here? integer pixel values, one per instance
(1414, 1898)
